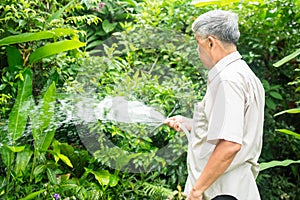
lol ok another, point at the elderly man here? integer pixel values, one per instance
(226, 131)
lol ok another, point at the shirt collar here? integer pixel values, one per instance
(224, 62)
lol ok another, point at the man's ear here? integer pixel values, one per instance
(211, 41)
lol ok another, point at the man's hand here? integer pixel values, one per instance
(195, 195)
(175, 122)
(178, 121)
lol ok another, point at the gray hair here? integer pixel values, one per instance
(219, 23)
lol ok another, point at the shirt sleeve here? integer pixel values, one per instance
(227, 115)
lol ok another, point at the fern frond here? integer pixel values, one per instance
(88, 19)
(151, 189)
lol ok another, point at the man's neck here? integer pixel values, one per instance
(222, 51)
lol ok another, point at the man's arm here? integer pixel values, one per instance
(217, 164)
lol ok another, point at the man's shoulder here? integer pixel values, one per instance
(238, 70)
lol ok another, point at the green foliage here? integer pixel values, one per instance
(143, 50)
(19, 114)
(285, 131)
(281, 40)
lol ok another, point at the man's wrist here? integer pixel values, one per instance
(197, 192)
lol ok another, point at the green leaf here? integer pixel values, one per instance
(65, 159)
(266, 84)
(2, 87)
(20, 111)
(38, 170)
(48, 106)
(68, 186)
(288, 132)
(56, 146)
(113, 180)
(102, 176)
(94, 44)
(108, 27)
(28, 37)
(58, 13)
(16, 149)
(275, 163)
(74, 157)
(22, 160)
(14, 57)
(290, 111)
(7, 156)
(54, 48)
(33, 195)
(201, 3)
(287, 58)
(67, 149)
(47, 138)
(43, 130)
(276, 95)
(51, 176)
(271, 104)
(64, 177)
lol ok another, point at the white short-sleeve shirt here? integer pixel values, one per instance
(233, 110)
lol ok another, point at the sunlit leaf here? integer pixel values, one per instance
(275, 163)
(287, 58)
(33, 195)
(290, 111)
(289, 132)
(65, 159)
(102, 176)
(54, 48)
(28, 37)
(16, 149)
